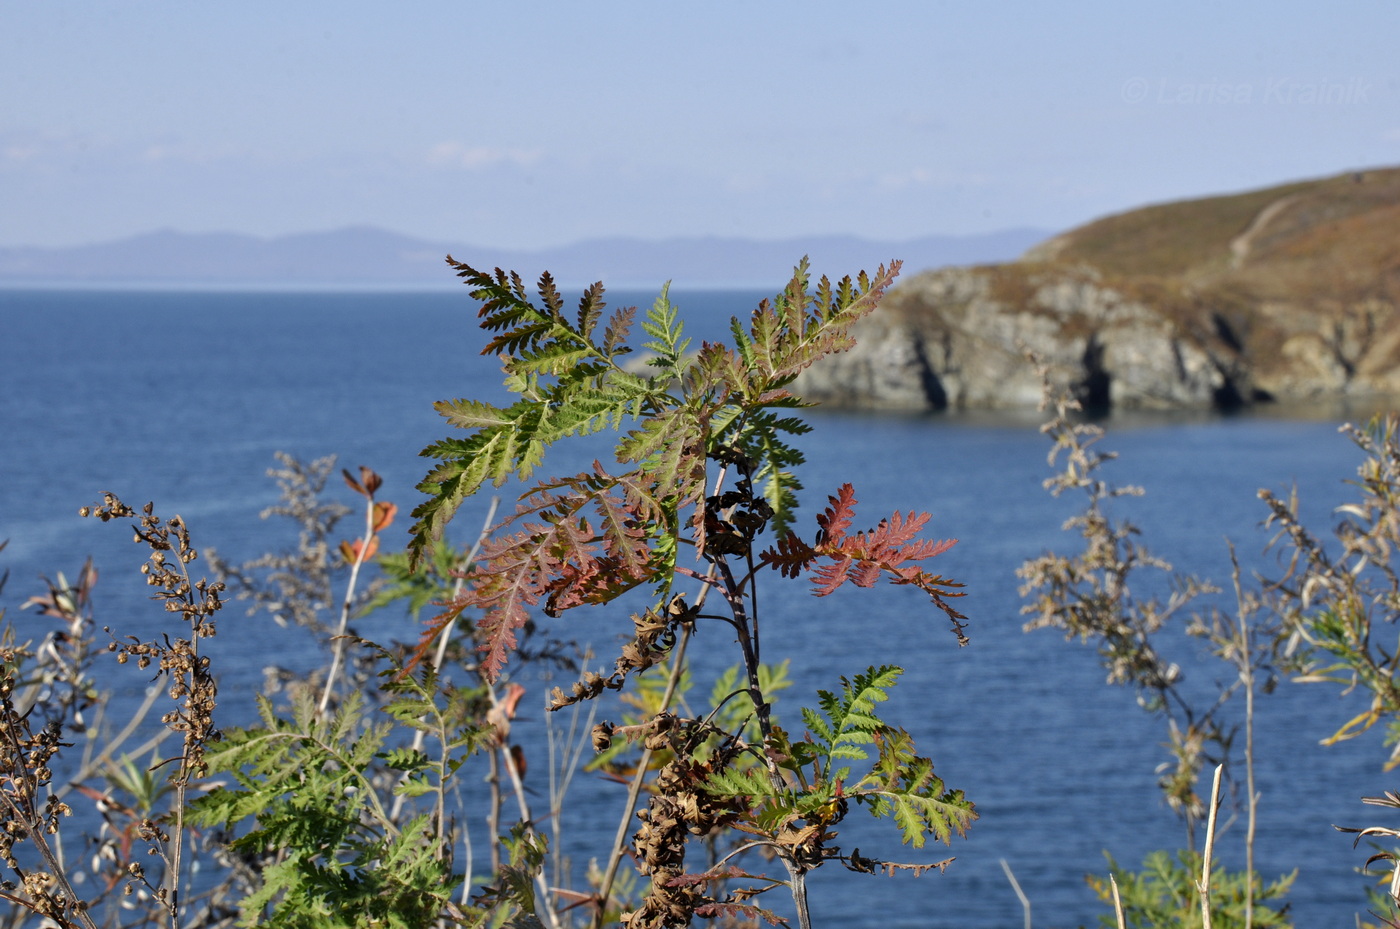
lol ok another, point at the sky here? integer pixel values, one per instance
(536, 124)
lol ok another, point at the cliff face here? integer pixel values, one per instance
(1288, 294)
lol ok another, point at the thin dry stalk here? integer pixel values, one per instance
(467, 562)
(1025, 901)
(186, 670)
(543, 904)
(20, 799)
(565, 755)
(1117, 902)
(420, 736)
(1204, 884)
(1252, 799)
(338, 656)
(493, 808)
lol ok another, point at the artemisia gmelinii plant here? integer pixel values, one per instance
(703, 468)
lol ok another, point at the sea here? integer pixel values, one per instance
(182, 398)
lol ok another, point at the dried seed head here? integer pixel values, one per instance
(602, 736)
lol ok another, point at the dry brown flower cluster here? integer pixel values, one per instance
(679, 808)
(189, 680)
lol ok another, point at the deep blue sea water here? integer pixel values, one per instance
(182, 398)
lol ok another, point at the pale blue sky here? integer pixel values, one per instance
(535, 124)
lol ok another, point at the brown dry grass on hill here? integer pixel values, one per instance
(1349, 223)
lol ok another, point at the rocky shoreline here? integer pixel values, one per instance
(1291, 298)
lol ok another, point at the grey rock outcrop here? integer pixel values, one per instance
(959, 338)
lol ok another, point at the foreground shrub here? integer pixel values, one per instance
(704, 460)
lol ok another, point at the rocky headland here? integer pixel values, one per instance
(1287, 295)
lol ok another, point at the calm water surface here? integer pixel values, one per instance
(182, 399)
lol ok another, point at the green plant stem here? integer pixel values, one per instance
(747, 627)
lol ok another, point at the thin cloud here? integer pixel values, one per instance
(19, 154)
(479, 157)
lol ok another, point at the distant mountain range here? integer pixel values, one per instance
(368, 257)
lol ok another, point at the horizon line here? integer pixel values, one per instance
(613, 237)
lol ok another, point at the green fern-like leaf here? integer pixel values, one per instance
(406, 759)
(566, 374)
(761, 436)
(847, 720)
(742, 782)
(668, 341)
(920, 804)
(899, 785)
(303, 785)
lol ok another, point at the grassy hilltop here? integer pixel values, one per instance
(1291, 293)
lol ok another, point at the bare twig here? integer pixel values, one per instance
(1117, 902)
(1246, 665)
(445, 637)
(1204, 884)
(543, 904)
(1025, 901)
(346, 605)
(561, 772)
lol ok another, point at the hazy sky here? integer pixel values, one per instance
(529, 124)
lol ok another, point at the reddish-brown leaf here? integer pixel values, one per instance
(368, 483)
(791, 556)
(837, 517)
(578, 540)
(384, 512)
(350, 551)
(890, 550)
(353, 484)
